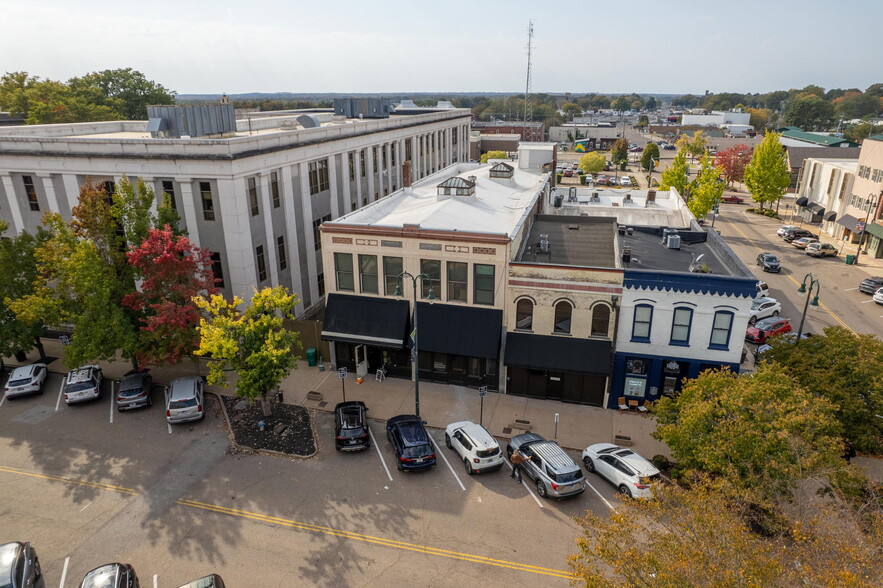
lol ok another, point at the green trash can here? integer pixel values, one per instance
(850, 259)
(311, 356)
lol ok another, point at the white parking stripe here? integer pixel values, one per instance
(112, 396)
(154, 581)
(529, 491)
(64, 572)
(610, 506)
(60, 393)
(850, 289)
(2, 400)
(438, 451)
(383, 461)
(866, 301)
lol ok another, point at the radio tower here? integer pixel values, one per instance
(528, 110)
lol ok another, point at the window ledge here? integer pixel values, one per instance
(719, 347)
(679, 343)
(640, 340)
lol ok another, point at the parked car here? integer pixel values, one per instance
(27, 379)
(626, 181)
(786, 338)
(411, 442)
(669, 147)
(878, 296)
(575, 167)
(568, 173)
(733, 199)
(769, 262)
(803, 242)
(210, 581)
(613, 181)
(477, 448)
(763, 290)
(83, 384)
(625, 469)
(784, 229)
(136, 390)
(868, 286)
(550, 468)
(636, 149)
(589, 178)
(795, 234)
(351, 426)
(113, 575)
(764, 329)
(821, 250)
(762, 308)
(602, 180)
(186, 400)
(20, 566)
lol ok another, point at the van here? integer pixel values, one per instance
(552, 471)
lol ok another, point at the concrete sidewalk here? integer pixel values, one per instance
(440, 404)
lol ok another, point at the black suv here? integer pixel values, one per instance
(411, 442)
(795, 234)
(871, 285)
(114, 575)
(769, 262)
(20, 566)
(350, 426)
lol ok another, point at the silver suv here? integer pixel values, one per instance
(551, 469)
(83, 384)
(186, 400)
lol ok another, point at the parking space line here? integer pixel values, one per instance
(438, 451)
(379, 454)
(866, 301)
(850, 289)
(60, 393)
(2, 399)
(610, 506)
(64, 572)
(154, 581)
(526, 487)
(112, 395)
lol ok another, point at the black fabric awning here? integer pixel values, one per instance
(461, 330)
(366, 320)
(816, 208)
(848, 221)
(564, 354)
(802, 201)
(830, 215)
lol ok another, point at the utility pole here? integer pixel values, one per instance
(528, 109)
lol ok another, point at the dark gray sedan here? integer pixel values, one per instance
(20, 566)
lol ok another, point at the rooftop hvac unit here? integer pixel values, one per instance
(666, 232)
(626, 254)
(544, 243)
(673, 242)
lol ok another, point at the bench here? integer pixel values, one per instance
(314, 395)
(622, 440)
(521, 425)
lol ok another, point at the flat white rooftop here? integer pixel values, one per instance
(628, 207)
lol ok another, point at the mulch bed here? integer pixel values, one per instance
(289, 430)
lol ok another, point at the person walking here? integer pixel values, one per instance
(517, 459)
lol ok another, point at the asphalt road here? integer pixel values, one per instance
(88, 485)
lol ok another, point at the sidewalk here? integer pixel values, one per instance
(440, 404)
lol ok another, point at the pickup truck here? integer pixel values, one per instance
(733, 199)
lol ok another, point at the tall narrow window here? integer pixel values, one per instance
(168, 187)
(368, 274)
(680, 326)
(352, 165)
(218, 270)
(318, 176)
(720, 329)
(600, 320)
(262, 263)
(642, 322)
(362, 162)
(320, 281)
(208, 207)
(458, 281)
(31, 192)
(280, 252)
(524, 314)
(274, 189)
(343, 269)
(563, 315)
(484, 284)
(432, 268)
(392, 269)
(317, 234)
(253, 196)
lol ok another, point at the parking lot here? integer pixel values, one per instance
(91, 485)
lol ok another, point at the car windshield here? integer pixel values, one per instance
(7, 559)
(186, 403)
(350, 418)
(131, 391)
(80, 386)
(764, 325)
(567, 477)
(771, 259)
(18, 382)
(757, 303)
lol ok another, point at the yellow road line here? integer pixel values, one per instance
(376, 540)
(110, 487)
(821, 305)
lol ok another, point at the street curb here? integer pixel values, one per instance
(246, 449)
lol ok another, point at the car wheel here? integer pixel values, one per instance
(624, 490)
(590, 467)
(336, 447)
(448, 441)
(541, 489)
(469, 469)
(399, 465)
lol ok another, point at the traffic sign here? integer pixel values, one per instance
(482, 391)
(342, 373)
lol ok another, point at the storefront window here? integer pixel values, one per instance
(636, 376)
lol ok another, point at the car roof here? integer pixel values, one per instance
(81, 374)
(22, 371)
(553, 454)
(763, 299)
(771, 320)
(639, 463)
(477, 433)
(183, 388)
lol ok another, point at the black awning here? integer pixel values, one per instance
(816, 208)
(830, 215)
(802, 201)
(366, 320)
(848, 221)
(565, 354)
(461, 330)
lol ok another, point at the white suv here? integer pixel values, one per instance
(27, 379)
(83, 384)
(625, 469)
(477, 448)
(762, 308)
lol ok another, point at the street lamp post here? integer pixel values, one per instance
(415, 354)
(813, 283)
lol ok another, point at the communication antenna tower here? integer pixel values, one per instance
(528, 110)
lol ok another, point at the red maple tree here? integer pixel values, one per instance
(733, 161)
(172, 270)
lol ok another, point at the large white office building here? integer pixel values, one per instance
(254, 192)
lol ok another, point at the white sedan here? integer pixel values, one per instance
(625, 469)
(878, 296)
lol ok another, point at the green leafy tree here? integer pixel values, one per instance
(18, 271)
(619, 154)
(677, 176)
(252, 342)
(861, 131)
(592, 163)
(16, 92)
(856, 105)
(127, 87)
(707, 188)
(167, 216)
(756, 434)
(767, 175)
(650, 104)
(650, 156)
(643, 122)
(131, 209)
(809, 112)
(494, 155)
(875, 90)
(571, 109)
(759, 118)
(844, 369)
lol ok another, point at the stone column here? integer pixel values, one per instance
(189, 206)
(17, 219)
(289, 205)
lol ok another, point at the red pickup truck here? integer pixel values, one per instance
(733, 200)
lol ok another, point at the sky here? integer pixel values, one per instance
(340, 46)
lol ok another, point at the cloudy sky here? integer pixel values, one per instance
(195, 46)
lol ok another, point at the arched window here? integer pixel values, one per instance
(600, 320)
(524, 314)
(563, 312)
